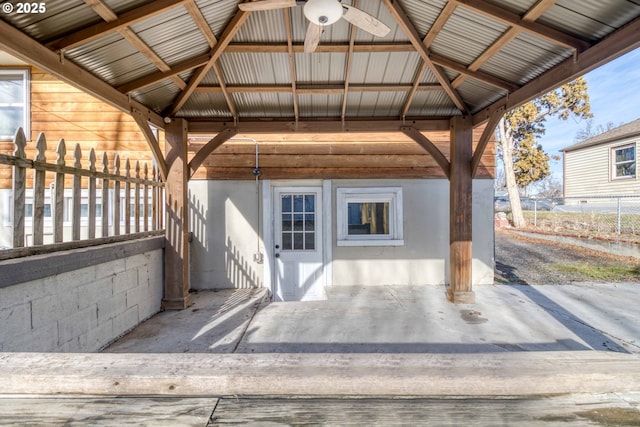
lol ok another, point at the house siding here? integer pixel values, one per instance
(588, 172)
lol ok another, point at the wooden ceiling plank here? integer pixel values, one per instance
(292, 62)
(622, 41)
(513, 19)
(18, 44)
(227, 35)
(439, 23)
(128, 18)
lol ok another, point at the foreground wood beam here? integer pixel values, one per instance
(318, 126)
(176, 251)
(21, 46)
(152, 140)
(616, 44)
(460, 212)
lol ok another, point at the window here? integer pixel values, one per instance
(369, 216)
(14, 102)
(623, 162)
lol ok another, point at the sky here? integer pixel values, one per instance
(614, 93)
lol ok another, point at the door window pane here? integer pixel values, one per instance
(298, 222)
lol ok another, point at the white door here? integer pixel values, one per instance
(298, 244)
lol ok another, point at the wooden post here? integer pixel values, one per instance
(460, 214)
(176, 251)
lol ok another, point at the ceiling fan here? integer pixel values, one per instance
(320, 14)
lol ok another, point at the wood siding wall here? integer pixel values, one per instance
(331, 156)
(587, 172)
(62, 111)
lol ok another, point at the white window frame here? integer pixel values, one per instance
(614, 163)
(26, 114)
(391, 195)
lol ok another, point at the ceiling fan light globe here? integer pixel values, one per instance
(323, 12)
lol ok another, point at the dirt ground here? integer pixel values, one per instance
(522, 259)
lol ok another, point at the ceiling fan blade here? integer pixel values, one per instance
(254, 6)
(365, 21)
(312, 38)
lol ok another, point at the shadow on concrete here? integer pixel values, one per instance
(589, 334)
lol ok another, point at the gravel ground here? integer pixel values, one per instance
(522, 259)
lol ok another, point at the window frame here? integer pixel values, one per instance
(391, 195)
(26, 107)
(614, 164)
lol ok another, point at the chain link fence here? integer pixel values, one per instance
(609, 217)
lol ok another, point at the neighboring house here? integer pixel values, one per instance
(37, 102)
(603, 165)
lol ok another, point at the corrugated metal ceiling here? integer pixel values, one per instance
(260, 57)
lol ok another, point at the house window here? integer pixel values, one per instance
(623, 162)
(14, 102)
(369, 216)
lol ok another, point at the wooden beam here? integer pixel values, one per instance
(347, 72)
(227, 35)
(292, 63)
(201, 22)
(154, 145)
(439, 23)
(616, 44)
(407, 27)
(478, 75)
(29, 50)
(414, 89)
(208, 148)
(460, 212)
(532, 14)
(514, 20)
(153, 78)
(484, 140)
(128, 18)
(429, 146)
(317, 89)
(176, 250)
(322, 48)
(336, 125)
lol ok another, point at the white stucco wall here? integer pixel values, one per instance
(224, 222)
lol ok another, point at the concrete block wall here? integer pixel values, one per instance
(82, 300)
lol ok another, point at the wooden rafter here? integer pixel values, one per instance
(478, 75)
(407, 27)
(439, 23)
(153, 78)
(620, 42)
(322, 48)
(21, 46)
(330, 89)
(514, 20)
(414, 89)
(227, 35)
(128, 18)
(292, 62)
(347, 72)
(106, 13)
(532, 14)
